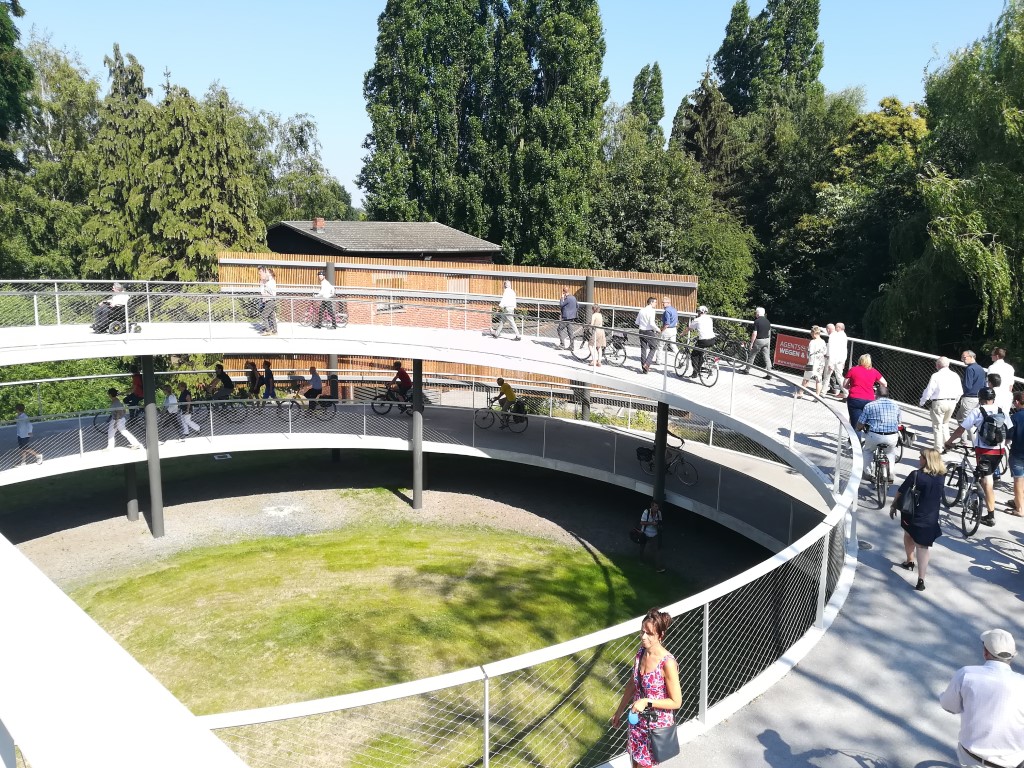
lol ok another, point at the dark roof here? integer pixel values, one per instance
(392, 237)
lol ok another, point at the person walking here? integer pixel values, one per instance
(650, 524)
(653, 688)
(1003, 368)
(597, 338)
(269, 386)
(974, 381)
(814, 370)
(268, 290)
(507, 312)
(860, 384)
(705, 328)
(990, 701)
(23, 428)
(992, 428)
(252, 380)
(921, 527)
(647, 322)
(567, 312)
(837, 343)
(1004, 396)
(669, 330)
(326, 294)
(1016, 457)
(760, 342)
(117, 423)
(940, 397)
(185, 411)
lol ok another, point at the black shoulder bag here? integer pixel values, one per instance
(909, 502)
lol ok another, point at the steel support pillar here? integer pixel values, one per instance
(156, 489)
(131, 492)
(417, 434)
(588, 309)
(332, 359)
(660, 442)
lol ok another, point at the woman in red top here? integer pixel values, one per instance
(860, 383)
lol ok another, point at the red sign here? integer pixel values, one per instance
(790, 351)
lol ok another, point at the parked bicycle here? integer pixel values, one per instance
(675, 461)
(615, 345)
(515, 419)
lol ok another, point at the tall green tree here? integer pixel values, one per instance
(648, 100)
(703, 128)
(15, 81)
(736, 60)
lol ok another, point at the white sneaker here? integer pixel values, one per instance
(39, 459)
(136, 447)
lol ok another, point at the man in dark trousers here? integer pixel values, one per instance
(760, 341)
(567, 316)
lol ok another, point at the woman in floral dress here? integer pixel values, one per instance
(654, 683)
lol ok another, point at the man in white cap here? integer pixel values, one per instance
(990, 702)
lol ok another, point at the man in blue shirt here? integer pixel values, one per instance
(669, 328)
(881, 420)
(974, 381)
(567, 316)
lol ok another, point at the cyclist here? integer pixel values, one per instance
(705, 329)
(400, 383)
(316, 387)
(987, 450)
(225, 386)
(507, 397)
(881, 420)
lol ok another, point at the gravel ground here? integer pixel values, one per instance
(76, 531)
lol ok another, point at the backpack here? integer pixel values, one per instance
(993, 431)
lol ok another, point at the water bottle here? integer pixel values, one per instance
(633, 717)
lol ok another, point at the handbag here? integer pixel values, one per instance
(909, 502)
(636, 535)
(663, 741)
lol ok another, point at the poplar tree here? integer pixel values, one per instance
(648, 100)
(737, 57)
(15, 81)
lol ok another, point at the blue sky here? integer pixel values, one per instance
(291, 57)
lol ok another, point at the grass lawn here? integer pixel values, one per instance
(277, 620)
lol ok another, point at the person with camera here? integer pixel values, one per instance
(991, 427)
(652, 694)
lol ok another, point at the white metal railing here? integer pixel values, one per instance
(727, 639)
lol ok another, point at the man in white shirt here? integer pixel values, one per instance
(1005, 371)
(705, 328)
(835, 367)
(507, 310)
(326, 294)
(988, 448)
(647, 322)
(24, 430)
(940, 397)
(111, 308)
(990, 702)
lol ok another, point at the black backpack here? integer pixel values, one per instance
(993, 430)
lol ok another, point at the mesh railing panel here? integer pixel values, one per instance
(751, 627)
(836, 558)
(443, 728)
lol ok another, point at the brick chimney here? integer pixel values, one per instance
(318, 225)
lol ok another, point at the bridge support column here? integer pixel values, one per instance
(131, 492)
(417, 434)
(588, 308)
(660, 441)
(332, 359)
(156, 490)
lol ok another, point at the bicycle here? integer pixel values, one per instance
(387, 399)
(708, 373)
(515, 420)
(614, 350)
(973, 505)
(311, 316)
(880, 475)
(675, 462)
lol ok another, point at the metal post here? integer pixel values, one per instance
(839, 453)
(588, 301)
(39, 400)
(705, 664)
(487, 720)
(417, 434)
(56, 301)
(711, 434)
(209, 316)
(35, 306)
(660, 441)
(819, 616)
(544, 440)
(81, 437)
(156, 491)
(732, 387)
(792, 422)
(7, 759)
(131, 492)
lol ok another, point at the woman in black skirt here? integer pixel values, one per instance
(921, 529)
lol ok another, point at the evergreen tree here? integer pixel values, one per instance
(703, 128)
(15, 81)
(649, 100)
(737, 58)
(791, 55)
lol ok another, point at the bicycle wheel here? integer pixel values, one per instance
(683, 362)
(971, 513)
(517, 422)
(614, 354)
(381, 404)
(881, 485)
(953, 485)
(326, 410)
(647, 466)
(899, 451)
(100, 421)
(685, 472)
(287, 409)
(579, 345)
(708, 372)
(307, 319)
(342, 319)
(484, 418)
(735, 351)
